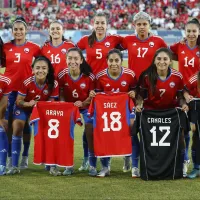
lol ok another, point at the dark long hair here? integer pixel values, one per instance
(50, 76)
(57, 22)
(2, 57)
(84, 66)
(92, 38)
(151, 71)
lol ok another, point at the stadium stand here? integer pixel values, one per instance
(78, 15)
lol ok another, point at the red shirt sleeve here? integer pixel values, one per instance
(174, 48)
(77, 117)
(23, 90)
(34, 115)
(91, 108)
(82, 43)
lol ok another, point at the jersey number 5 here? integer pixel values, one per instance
(53, 131)
(98, 53)
(115, 124)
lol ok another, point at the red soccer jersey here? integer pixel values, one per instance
(165, 92)
(31, 91)
(18, 62)
(75, 90)
(54, 133)
(141, 52)
(96, 55)
(4, 86)
(126, 81)
(191, 85)
(111, 123)
(188, 59)
(57, 55)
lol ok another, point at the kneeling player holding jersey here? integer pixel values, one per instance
(75, 83)
(161, 86)
(39, 87)
(116, 79)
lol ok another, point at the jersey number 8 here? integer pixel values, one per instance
(53, 131)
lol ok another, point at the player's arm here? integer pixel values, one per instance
(182, 101)
(23, 104)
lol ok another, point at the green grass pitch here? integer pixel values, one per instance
(36, 184)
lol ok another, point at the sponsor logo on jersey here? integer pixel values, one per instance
(64, 51)
(3, 151)
(134, 44)
(82, 85)
(32, 91)
(26, 50)
(14, 152)
(66, 84)
(10, 50)
(107, 44)
(107, 85)
(172, 84)
(183, 52)
(17, 112)
(0, 90)
(123, 83)
(198, 53)
(49, 51)
(45, 92)
(151, 44)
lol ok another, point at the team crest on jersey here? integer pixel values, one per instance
(123, 83)
(45, 92)
(107, 44)
(0, 90)
(151, 44)
(82, 85)
(198, 53)
(172, 84)
(26, 50)
(64, 51)
(17, 112)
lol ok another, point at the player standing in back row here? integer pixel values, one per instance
(188, 63)
(141, 48)
(19, 54)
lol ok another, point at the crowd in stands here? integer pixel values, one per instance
(76, 14)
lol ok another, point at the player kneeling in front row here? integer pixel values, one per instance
(75, 83)
(39, 87)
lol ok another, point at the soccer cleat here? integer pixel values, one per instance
(54, 171)
(2, 170)
(47, 167)
(104, 172)
(185, 167)
(9, 163)
(68, 171)
(193, 174)
(24, 162)
(127, 166)
(13, 170)
(84, 166)
(135, 172)
(92, 171)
